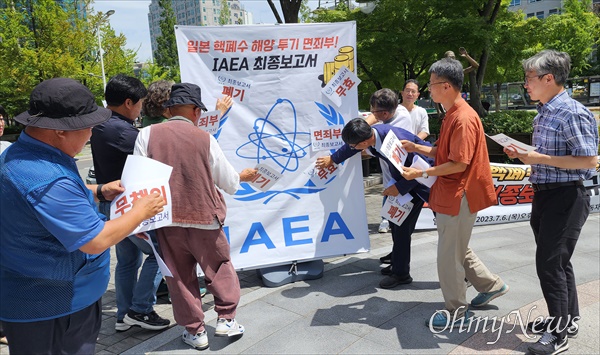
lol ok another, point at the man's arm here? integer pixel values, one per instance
(472, 63)
(412, 147)
(563, 162)
(447, 168)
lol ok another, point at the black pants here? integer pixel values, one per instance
(402, 236)
(557, 217)
(71, 334)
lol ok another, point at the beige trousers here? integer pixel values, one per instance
(455, 260)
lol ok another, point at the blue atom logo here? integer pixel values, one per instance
(270, 142)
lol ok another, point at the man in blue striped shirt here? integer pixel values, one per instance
(565, 135)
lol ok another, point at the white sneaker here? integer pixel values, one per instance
(384, 226)
(228, 328)
(198, 341)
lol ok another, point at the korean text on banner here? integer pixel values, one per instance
(275, 74)
(136, 183)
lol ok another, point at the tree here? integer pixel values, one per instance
(575, 31)
(290, 9)
(166, 51)
(225, 15)
(50, 40)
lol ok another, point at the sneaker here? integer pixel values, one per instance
(484, 298)
(228, 328)
(394, 280)
(198, 341)
(440, 321)
(386, 259)
(151, 321)
(384, 226)
(120, 326)
(549, 344)
(386, 270)
(541, 327)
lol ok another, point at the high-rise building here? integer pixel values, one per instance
(196, 13)
(536, 8)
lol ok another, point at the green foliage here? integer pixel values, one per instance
(46, 40)
(508, 122)
(166, 53)
(225, 15)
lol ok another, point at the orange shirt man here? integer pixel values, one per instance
(463, 187)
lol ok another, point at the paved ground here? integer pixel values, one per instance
(346, 311)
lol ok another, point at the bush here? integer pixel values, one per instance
(508, 122)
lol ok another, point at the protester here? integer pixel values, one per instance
(385, 109)
(565, 135)
(359, 136)
(54, 259)
(152, 107)
(112, 141)
(418, 115)
(198, 210)
(463, 187)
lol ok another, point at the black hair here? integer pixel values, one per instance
(384, 99)
(356, 131)
(122, 87)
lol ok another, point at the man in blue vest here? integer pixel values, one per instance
(358, 136)
(54, 259)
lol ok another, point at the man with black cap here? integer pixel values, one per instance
(198, 212)
(54, 260)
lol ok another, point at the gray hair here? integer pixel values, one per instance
(449, 69)
(552, 62)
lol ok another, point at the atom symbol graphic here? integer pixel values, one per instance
(269, 141)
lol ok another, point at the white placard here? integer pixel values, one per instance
(396, 208)
(142, 176)
(392, 149)
(265, 178)
(320, 177)
(340, 84)
(209, 121)
(326, 137)
(161, 264)
(511, 143)
(421, 164)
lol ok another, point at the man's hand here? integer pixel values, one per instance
(324, 162)
(391, 191)
(224, 103)
(411, 173)
(248, 174)
(462, 51)
(149, 205)
(143, 235)
(532, 157)
(112, 190)
(410, 147)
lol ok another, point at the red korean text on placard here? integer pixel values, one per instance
(261, 180)
(325, 173)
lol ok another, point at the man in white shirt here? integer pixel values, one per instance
(420, 120)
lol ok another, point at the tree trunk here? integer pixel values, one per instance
(290, 9)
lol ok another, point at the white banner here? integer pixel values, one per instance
(275, 74)
(514, 194)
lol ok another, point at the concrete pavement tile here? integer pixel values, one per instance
(123, 345)
(304, 336)
(307, 296)
(364, 346)
(507, 257)
(359, 315)
(408, 333)
(585, 266)
(592, 288)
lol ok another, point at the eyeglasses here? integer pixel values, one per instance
(527, 78)
(412, 92)
(353, 146)
(430, 84)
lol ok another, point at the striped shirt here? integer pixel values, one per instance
(563, 126)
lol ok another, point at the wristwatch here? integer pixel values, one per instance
(424, 175)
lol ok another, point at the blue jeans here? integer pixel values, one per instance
(135, 293)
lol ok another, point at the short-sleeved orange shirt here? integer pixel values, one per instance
(462, 140)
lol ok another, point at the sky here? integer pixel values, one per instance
(131, 19)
